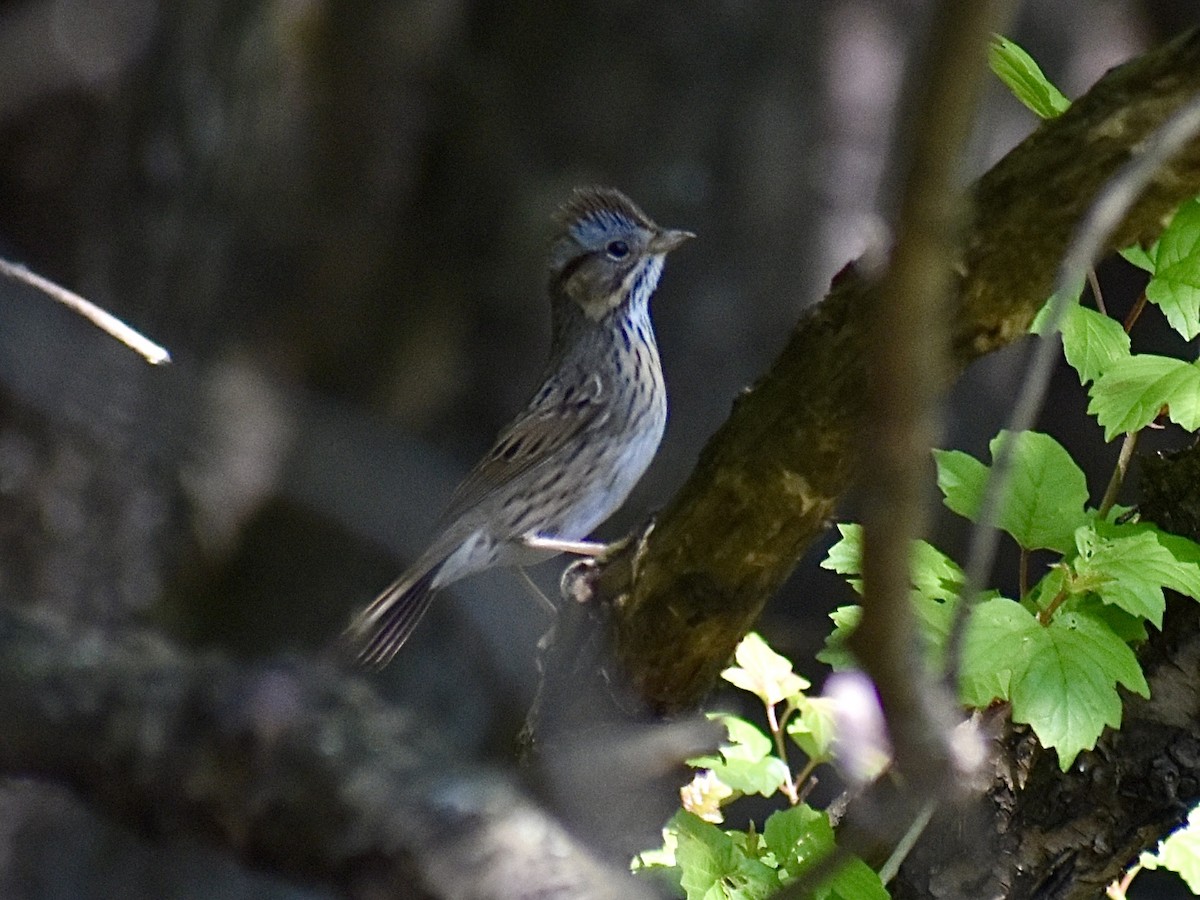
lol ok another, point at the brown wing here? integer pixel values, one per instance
(556, 415)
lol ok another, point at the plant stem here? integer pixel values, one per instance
(1023, 573)
(1045, 615)
(1134, 312)
(789, 785)
(1095, 283)
(1118, 475)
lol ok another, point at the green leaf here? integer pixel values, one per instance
(1040, 323)
(962, 479)
(1141, 257)
(836, 652)
(797, 836)
(933, 574)
(1174, 564)
(1092, 342)
(1001, 636)
(801, 836)
(812, 728)
(1130, 570)
(763, 672)
(713, 867)
(1180, 853)
(1047, 491)
(1175, 287)
(704, 853)
(845, 556)
(1129, 628)
(935, 578)
(1067, 691)
(854, 881)
(1025, 79)
(746, 763)
(1129, 395)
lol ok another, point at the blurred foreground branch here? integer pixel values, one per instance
(292, 766)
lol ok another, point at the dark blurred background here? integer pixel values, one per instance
(334, 215)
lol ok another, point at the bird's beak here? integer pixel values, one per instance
(668, 240)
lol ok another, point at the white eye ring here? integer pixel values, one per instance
(617, 249)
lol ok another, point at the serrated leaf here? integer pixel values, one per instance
(703, 852)
(1130, 569)
(813, 726)
(1129, 395)
(801, 836)
(853, 881)
(1175, 287)
(962, 480)
(746, 763)
(934, 617)
(1092, 342)
(1141, 257)
(845, 556)
(1025, 78)
(797, 835)
(1047, 492)
(1044, 503)
(836, 652)
(1040, 323)
(763, 672)
(1177, 562)
(1001, 636)
(1067, 691)
(1129, 628)
(933, 573)
(1180, 853)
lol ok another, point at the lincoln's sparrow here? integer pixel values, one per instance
(573, 455)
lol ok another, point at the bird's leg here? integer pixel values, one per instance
(555, 545)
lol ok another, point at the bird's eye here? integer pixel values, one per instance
(617, 249)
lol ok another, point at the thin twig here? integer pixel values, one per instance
(1103, 217)
(789, 785)
(106, 322)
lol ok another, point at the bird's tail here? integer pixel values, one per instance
(378, 632)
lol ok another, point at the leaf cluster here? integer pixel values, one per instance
(706, 862)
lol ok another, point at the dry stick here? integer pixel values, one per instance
(1103, 217)
(106, 322)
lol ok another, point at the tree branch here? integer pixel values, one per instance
(768, 480)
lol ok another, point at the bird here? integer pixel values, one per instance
(571, 457)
